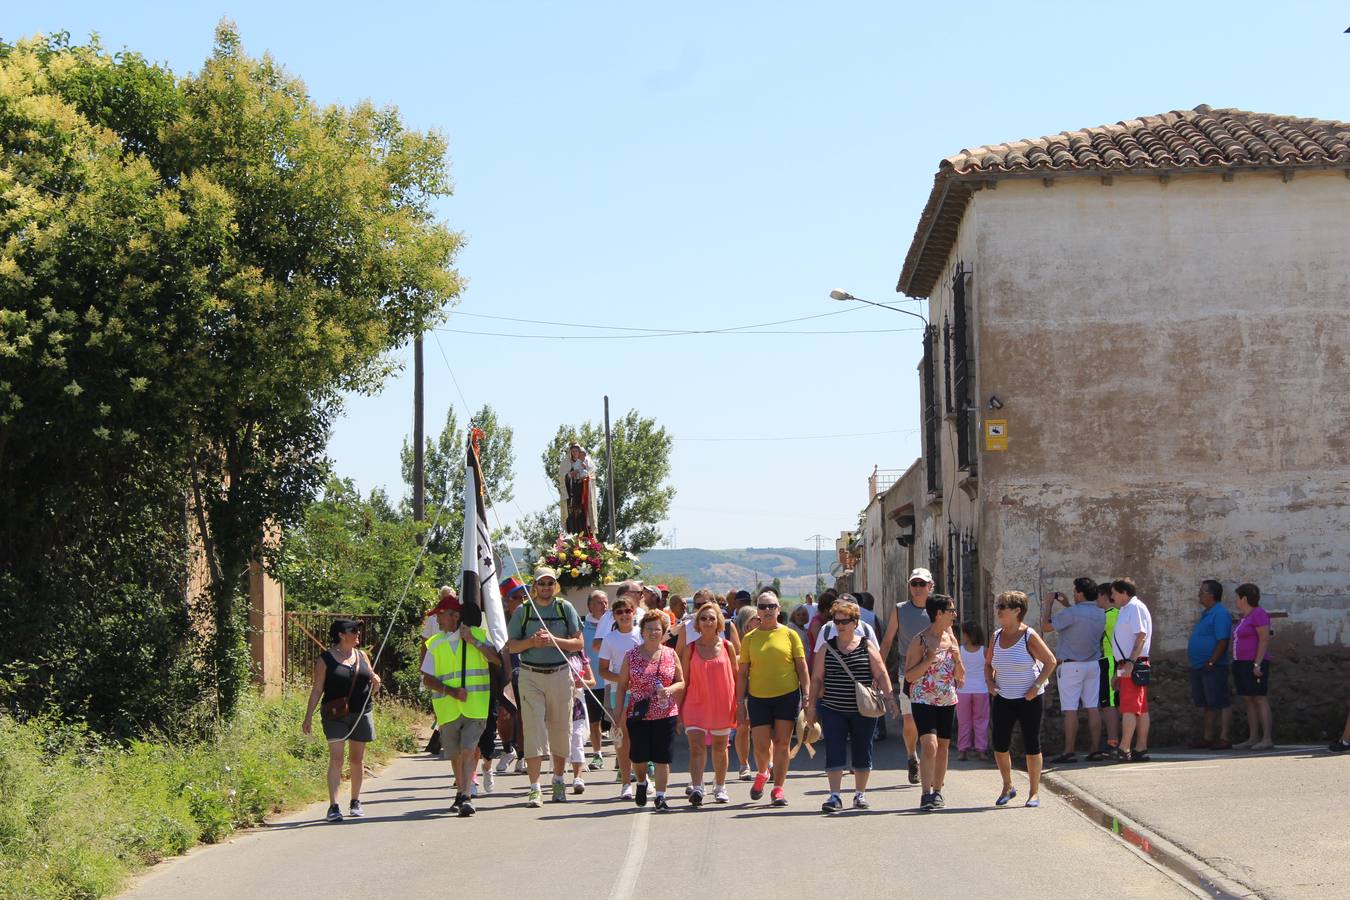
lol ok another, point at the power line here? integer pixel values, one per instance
(802, 437)
(623, 337)
(835, 312)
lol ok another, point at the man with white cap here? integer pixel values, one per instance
(543, 631)
(909, 619)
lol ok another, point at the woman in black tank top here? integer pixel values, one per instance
(344, 673)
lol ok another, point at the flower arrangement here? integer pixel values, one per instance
(582, 561)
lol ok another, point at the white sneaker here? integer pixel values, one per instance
(627, 792)
(720, 795)
(473, 789)
(520, 767)
(489, 781)
(578, 786)
(746, 774)
(504, 763)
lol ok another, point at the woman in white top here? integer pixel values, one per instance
(613, 647)
(1017, 666)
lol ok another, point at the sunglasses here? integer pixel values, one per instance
(767, 605)
(847, 621)
(351, 630)
(545, 582)
(918, 584)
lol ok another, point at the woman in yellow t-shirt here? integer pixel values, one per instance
(773, 685)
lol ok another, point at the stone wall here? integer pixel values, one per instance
(1308, 694)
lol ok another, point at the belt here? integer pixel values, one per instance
(543, 670)
(1078, 660)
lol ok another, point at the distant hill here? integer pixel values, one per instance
(724, 570)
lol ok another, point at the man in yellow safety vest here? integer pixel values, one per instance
(455, 670)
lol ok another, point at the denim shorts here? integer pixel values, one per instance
(1209, 688)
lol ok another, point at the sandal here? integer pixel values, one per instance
(1064, 758)
(1139, 756)
(1096, 756)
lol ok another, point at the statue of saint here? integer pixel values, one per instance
(580, 494)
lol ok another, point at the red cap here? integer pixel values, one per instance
(663, 589)
(450, 604)
(510, 586)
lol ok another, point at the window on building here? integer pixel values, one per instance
(961, 349)
(931, 420)
(935, 566)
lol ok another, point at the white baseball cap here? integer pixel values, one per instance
(921, 573)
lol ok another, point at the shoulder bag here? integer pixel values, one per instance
(340, 707)
(1141, 673)
(870, 701)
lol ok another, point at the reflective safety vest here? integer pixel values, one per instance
(463, 666)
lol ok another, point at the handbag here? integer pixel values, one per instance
(341, 707)
(1141, 673)
(870, 700)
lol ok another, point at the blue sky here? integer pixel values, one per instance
(710, 165)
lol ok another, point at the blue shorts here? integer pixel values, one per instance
(767, 710)
(1209, 688)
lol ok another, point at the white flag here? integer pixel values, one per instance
(480, 571)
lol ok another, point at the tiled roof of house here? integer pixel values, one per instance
(1201, 139)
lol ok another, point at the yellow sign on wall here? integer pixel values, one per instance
(995, 434)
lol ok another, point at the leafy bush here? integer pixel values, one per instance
(81, 813)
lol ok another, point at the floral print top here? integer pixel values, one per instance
(937, 686)
(646, 678)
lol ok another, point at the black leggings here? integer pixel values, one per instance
(1007, 713)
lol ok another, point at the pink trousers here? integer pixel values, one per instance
(972, 722)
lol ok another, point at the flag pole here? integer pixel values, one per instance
(609, 476)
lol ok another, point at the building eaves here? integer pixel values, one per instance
(1198, 140)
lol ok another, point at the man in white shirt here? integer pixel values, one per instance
(1131, 642)
(828, 630)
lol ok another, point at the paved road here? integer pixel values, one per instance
(1273, 821)
(597, 846)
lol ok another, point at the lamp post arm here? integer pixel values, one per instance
(891, 308)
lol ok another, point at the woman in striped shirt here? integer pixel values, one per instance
(837, 709)
(1017, 666)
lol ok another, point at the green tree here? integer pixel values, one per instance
(443, 458)
(192, 272)
(352, 554)
(641, 454)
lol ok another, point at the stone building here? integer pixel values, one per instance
(1137, 364)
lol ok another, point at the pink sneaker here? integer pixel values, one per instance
(776, 797)
(757, 789)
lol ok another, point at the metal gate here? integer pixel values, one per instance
(307, 638)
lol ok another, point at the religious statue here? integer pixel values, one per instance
(580, 495)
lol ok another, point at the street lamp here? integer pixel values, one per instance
(837, 294)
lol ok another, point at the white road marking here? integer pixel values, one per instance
(632, 862)
(1150, 767)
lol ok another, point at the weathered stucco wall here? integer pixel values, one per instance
(1173, 367)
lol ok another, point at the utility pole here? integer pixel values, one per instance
(609, 477)
(818, 538)
(419, 442)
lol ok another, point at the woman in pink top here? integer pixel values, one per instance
(1251, 666)
(654, 682)
(709, 705)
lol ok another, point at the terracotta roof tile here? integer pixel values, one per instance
(1198, 139)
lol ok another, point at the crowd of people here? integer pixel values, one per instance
(735, 675)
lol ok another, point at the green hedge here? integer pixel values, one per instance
(78, 816)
